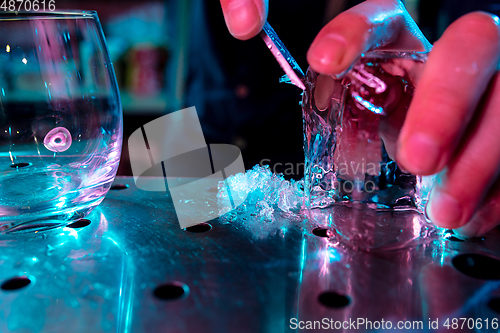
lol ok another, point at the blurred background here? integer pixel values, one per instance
(173, 54)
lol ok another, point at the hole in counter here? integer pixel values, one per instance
(494, 304)
(79, 224)
(477, 266)
(20, 165)
(171, 291)
(202, 227)
(322, 232)
(118, 187)
(333, 300)
(15, 283)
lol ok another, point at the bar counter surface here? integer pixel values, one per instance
(133, 269)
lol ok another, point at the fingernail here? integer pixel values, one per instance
(444, 210)
(241, 18)
(470, 230)
(420, 154)
(329, 50)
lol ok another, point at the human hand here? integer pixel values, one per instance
(452, 123)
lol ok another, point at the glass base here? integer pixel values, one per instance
(42, 222)
(39, 197)
(362, 228)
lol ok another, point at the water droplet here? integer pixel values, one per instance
(58, 140)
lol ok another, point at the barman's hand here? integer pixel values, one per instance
(453, 124)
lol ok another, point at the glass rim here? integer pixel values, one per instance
(47, 15)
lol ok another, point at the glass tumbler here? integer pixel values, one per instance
(60, 118)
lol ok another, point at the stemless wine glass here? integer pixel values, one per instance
(60, 118)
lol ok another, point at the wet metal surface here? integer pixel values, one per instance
(132, 269)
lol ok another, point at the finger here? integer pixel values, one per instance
(457, 73)
(369, 25)
(244, 18)
(486, 218)
(469, 175)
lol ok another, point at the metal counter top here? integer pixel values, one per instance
(133, 269)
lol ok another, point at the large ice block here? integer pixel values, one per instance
(351, 125)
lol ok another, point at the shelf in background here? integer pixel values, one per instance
(133, 104)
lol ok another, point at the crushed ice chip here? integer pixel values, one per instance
(264, 190)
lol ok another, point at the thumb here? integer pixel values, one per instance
(373, 24)
(244, 18)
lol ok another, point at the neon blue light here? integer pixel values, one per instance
(368, 105)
